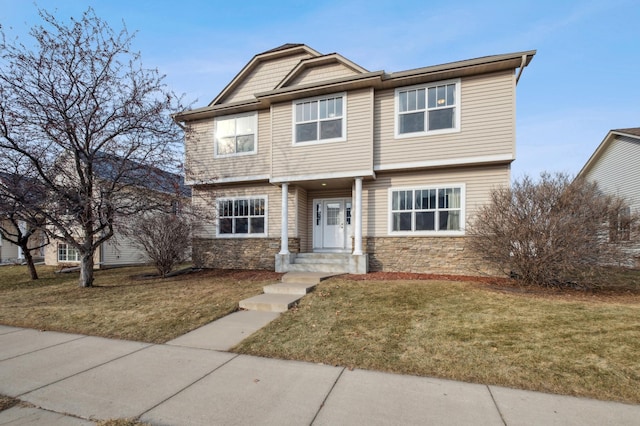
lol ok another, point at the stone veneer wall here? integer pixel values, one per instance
(435, 255)
(239, 253)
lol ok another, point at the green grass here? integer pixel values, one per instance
(122, 304)
(578, 345)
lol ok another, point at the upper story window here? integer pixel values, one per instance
(428, 109)
(236, 135)
(427, 210)
(320, 119)
(242, 217)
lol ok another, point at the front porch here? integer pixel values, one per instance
(334, 224)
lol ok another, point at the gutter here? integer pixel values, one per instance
(523, 64)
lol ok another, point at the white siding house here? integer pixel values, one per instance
(615, 166)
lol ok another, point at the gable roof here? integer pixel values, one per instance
(633, 132)
(280, 51)
(107, 166)
(320, 61)
(360, 79)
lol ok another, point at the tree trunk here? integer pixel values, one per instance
(29, 258)
(86, 270)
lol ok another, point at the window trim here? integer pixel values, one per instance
(254, 115)
(295, 102)
(434, 233)
(68, 248)
(456, 112)
(247, 235)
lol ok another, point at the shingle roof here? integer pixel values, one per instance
(283, 47)
(107, 166)
(635, 131)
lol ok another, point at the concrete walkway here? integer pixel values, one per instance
(69, 379)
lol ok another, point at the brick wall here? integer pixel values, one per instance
(239, 253)
(436, 255)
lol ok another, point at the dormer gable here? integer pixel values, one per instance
(264, 72)
(321, 68)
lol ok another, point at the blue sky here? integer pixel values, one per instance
(584, 81)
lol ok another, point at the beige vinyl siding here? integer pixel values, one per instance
(617, 171)
(8, 250)
(478, 181)
(119, 250)
(302, 220)
(264, 77)
(487, 125)
(202, 165)
(322, 73)
(353, 155)
(204, 197)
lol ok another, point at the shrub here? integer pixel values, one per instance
(550, 232)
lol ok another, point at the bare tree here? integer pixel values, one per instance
(21, 197)
(89, 118)
(550, 232)
(165, 237)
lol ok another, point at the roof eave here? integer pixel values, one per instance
(458, 69)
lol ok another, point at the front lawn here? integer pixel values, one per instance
(124, 304)
(572, 343)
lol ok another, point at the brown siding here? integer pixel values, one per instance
(354, 154)
(322, 73)
(266, 76)
(487, 125)
(201, 165)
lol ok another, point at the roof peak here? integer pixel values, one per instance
(282, 47)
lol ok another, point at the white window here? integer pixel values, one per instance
(66, 253)
(435, 210)
(242, 217)
(320, 119)
(236, 135)
(428, 109)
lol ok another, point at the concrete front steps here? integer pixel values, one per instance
(283, 295)
(337, 263)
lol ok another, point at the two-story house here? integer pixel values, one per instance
(314, 163)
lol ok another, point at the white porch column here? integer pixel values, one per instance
(357, 241)
(284, 235)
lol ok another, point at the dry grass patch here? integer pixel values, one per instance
(124, 303)
(7, 402)
(465, 331)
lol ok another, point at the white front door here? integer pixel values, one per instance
(331, 224)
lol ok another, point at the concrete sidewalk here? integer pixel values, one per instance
(69, 379)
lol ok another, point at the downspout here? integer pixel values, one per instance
(522, 66)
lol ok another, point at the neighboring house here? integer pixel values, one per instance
(615, 166)
(166, 188)
(11, 253)
(314, 163)
(12, 189)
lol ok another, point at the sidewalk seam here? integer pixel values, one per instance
(327, 396)
(46, 347)
(88, 369)
(496, 405)
(190, 384)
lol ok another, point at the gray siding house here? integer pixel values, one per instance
(312, 162)
(615, 166)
